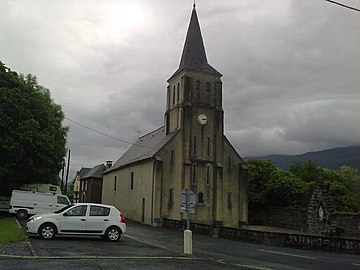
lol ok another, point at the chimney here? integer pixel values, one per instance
(108, 164)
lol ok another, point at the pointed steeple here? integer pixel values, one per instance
(194, 55)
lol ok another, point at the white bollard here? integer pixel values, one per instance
(188, 242)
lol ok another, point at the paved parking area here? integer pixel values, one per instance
(95, 246)
(137, 242)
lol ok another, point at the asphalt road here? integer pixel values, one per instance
(145, 247)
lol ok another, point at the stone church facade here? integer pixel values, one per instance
(189, 151)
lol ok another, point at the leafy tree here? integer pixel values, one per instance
(259, 174)
(285, 189)
(308, 171)
(344, 187)
(270, 186)
(32, 138)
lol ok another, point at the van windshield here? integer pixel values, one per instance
(63, 209)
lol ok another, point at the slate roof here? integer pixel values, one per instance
(83, 171)
(194, 55)
(96, 172)
(145, 147)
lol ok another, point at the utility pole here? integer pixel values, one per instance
(67, 173)
(62, 175)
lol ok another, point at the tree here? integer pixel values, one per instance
(308, 171)
(285, 189)
(344, 187)
(260, 172)
(271, 186)
(32, 137)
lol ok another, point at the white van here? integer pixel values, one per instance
(25, 203)
(37, 187)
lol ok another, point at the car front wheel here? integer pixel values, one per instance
(113, 234)
(47, 231)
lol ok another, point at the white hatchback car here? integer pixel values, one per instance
(79, 219)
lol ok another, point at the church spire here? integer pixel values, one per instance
(194, 56)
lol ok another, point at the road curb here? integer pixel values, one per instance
(2, 256)
(27, 240)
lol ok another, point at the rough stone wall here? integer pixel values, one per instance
(350, 223)
(301, 241)
(288, 218)
(296, 219)
(279, 217)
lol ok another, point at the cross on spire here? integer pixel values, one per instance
(139, 133)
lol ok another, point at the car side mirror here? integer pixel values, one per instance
(66, 214)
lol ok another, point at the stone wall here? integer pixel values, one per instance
(279, 217)
(350, 223)
(292, 240)
(301, 241)
(296, 219)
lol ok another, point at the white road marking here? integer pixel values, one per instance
(254, 267)
(356, 264)
(287, 254)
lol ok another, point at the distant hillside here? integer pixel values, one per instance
(331, 158)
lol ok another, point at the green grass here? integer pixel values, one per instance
(10, 231)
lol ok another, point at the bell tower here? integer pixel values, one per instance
(194, 107)
(194, 92)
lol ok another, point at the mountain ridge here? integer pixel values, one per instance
(329, 158)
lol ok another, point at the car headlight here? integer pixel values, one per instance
(36, 218)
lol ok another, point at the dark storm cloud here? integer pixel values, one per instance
(291, 68)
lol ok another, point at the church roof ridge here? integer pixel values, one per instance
(145, 147)
(194, 55)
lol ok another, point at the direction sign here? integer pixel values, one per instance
(189, 210)
(188, 198)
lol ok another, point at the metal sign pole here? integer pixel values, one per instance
(187, 211)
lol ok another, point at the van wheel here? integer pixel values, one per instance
(47, 231)
(21, 214)
(113, 234)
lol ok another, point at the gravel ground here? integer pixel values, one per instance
(17, 249)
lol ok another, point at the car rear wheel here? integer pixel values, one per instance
(21, 214)
(113, 234)
(47, 231)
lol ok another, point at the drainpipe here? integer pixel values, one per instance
(153, 192)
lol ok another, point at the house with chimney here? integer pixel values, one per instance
(91, 183)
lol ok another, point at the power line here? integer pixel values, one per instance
(345, 6)
(106, 135)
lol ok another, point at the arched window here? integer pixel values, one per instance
(173, 97)
(178, 92)
(207, 87)
(229, 200)
(200, 198)
(208, 147)
(132, 181)
(193, 174)
(208, 174)
(194, 146)
(198, 85)
(197, 91)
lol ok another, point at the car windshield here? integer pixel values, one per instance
(63, 209)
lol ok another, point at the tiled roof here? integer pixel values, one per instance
(96, 172)
(194, 55)
(145, 147)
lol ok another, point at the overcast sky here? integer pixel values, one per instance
(291, 68)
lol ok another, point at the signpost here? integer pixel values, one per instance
(188, 201)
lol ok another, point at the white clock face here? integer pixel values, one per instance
(202, 118)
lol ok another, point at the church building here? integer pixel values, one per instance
(189, 152)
